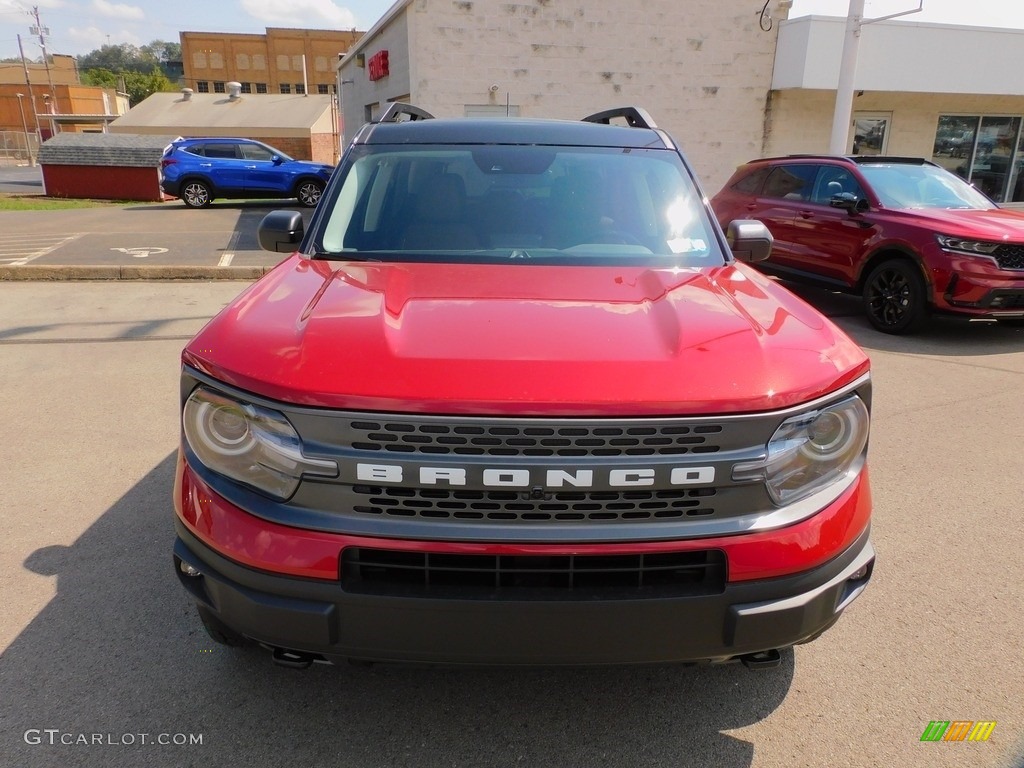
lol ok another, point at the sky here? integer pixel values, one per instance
(79, 26)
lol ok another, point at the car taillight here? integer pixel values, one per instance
(164, 162)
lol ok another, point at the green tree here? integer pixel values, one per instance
(123, 57)
(138, 85)
(99, 76)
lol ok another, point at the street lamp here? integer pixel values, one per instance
(24, 127)
(855, 21)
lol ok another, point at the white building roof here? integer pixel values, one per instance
(901, 56)
(215, 114)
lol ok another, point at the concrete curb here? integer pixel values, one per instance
(55, 272)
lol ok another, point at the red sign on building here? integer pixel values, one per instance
(379, 65)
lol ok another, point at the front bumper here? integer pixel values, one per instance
(970, 286)
(321, 618)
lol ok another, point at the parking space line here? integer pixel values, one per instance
(225, 260)
(49, 245)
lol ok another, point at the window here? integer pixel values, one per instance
(286, 88)
(203, 86)
(559, 204)
(256, 152)
(222, 150)
(791, 182)
(300, 88)
(833, 180)
(752, 183)
(261, 87)
(218, 86)
(246, 87)
(321, 88)
(870, 134)
(985, 149)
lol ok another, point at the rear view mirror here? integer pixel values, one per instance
(281, 231)
(749, 240)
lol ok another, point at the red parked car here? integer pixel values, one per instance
(516, 399)
(906, 234)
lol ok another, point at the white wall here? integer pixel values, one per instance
(702, 68)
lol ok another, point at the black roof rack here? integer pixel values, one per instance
(396, 109)
(635, 117)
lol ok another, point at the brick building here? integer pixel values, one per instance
(67, 98)
(270, 63)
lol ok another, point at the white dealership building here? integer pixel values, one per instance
(729, 82)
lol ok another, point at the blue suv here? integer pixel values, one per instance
(201, 170)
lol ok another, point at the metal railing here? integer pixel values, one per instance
(18, 148)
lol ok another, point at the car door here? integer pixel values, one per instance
(831, 240)
(225, 165)
(264, 176)
(786, 189)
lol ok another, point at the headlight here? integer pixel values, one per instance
(811, 451)
(966, 246)
(248, 443)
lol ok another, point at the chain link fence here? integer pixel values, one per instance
(16, 146)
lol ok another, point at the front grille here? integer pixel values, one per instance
(1009, 256)
(556, 577)
(467, 439)
(512, 507)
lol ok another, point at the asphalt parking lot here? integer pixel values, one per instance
(98, 639)
(151, 234)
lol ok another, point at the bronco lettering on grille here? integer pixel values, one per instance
(527, 478)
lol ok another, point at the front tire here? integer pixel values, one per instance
(896, 297)
(196, 194)
(308, 192)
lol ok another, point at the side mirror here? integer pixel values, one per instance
(276, 160)
(849, 202)
(281, 231)
(749, 240)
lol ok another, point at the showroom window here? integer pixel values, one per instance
(987, 150)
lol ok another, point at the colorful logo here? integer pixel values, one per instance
(958, 730)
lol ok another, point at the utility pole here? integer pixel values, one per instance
(31, 95)
(43, 32)
(24, 128)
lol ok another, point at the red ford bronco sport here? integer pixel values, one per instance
(516, 399)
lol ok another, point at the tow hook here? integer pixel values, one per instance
(762, 660)
(292, 659)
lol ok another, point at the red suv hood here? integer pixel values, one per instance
(993, 224)
(524, 340)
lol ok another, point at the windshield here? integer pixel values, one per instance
(528, 203)
(903, 185)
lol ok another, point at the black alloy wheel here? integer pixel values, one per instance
(895, 297)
